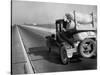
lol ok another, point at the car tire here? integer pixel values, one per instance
(63, 55)
(87, 48)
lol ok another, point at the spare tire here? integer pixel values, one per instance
(87, 48)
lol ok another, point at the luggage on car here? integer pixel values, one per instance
(81, 21)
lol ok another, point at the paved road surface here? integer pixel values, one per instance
(42, 61)
(18, 58)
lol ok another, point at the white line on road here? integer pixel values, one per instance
(29, 65)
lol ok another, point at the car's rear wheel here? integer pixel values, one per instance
(87, 48)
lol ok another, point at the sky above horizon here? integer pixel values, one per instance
(45, 12)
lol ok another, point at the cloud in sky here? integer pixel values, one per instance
(43, 12)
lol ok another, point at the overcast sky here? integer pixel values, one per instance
(43, 12)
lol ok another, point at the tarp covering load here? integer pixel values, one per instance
(83, 18)
(81, 21)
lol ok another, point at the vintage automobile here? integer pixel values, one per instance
(78, 38)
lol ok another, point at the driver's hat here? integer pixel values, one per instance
(68, 16)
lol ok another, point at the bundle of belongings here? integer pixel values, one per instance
(80, 21)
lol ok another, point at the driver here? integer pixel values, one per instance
(66, 34)
(67, 21)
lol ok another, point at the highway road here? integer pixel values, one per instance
(33, 38)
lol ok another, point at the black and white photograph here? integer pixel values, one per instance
(49, 37)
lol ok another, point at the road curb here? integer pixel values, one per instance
(28, 65)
